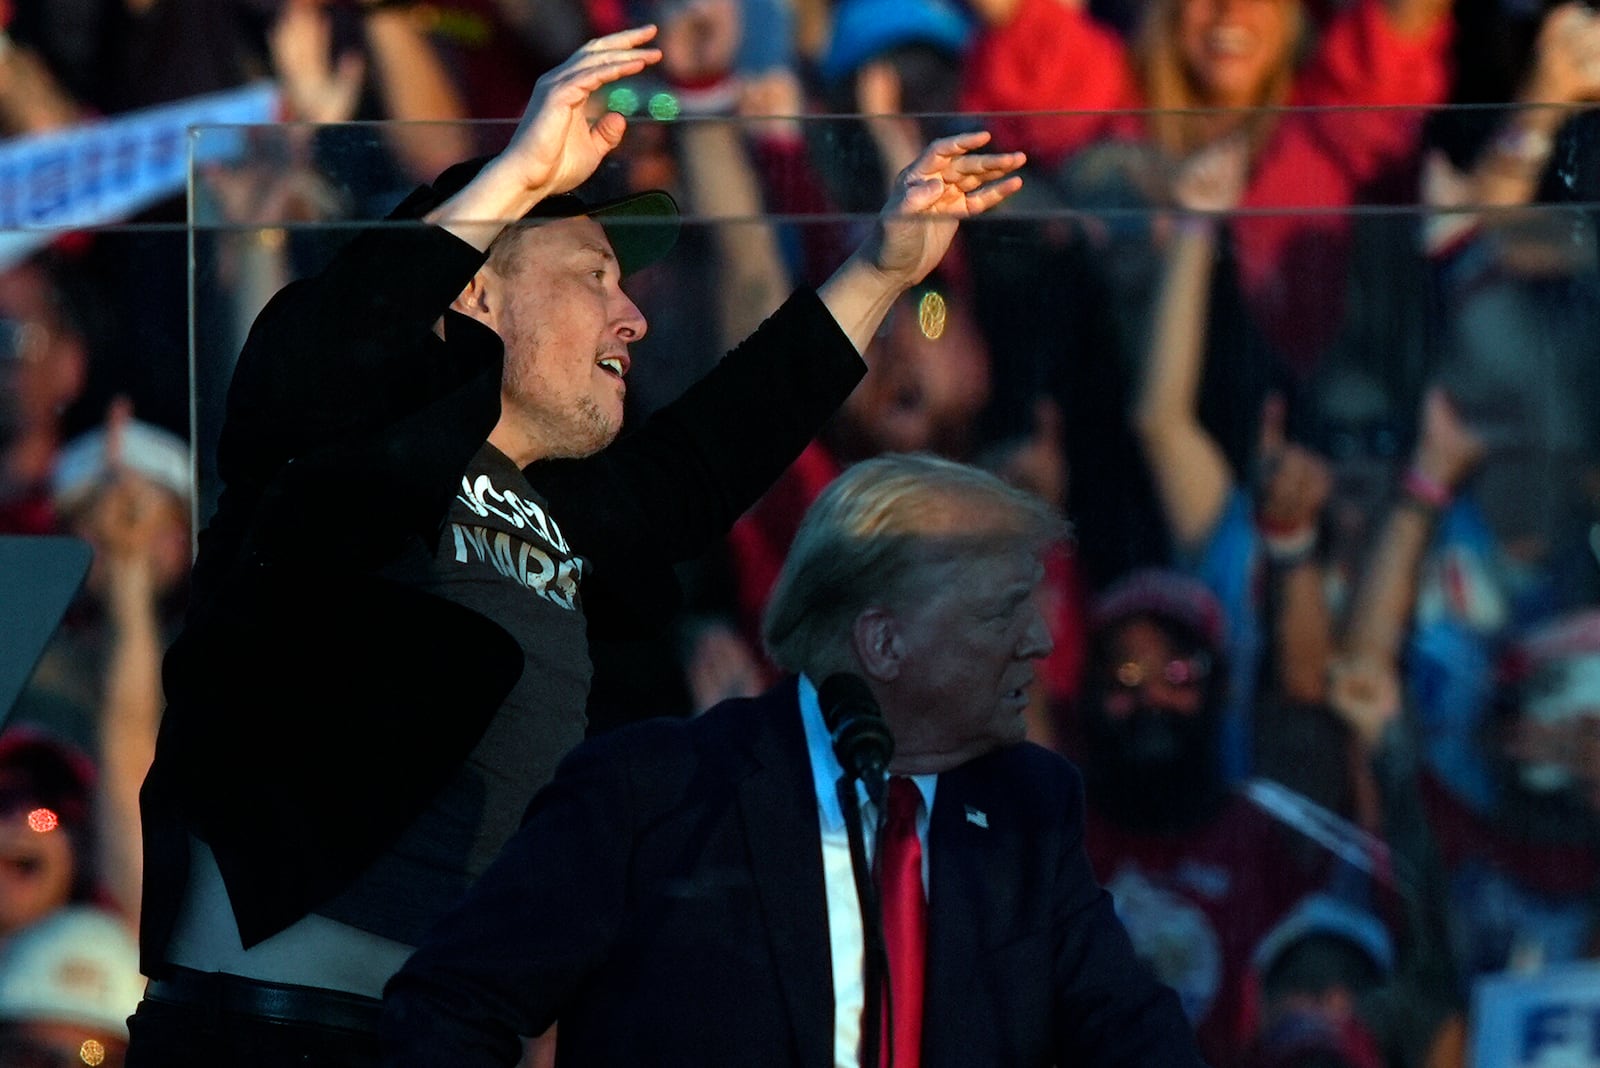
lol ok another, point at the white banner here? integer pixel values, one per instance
(1356, 847)
(103, 171)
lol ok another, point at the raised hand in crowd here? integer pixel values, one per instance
(770, 103)
(317, 86)
(721, 183)
(32, 100)
(880, 100)
(1293, 487)
(1364, 692)
(1566, 57)
(1447, 451)
(1422, 999)
(1293, 483)
(1449, 448)
(408, 77)
(1565, 72)
(700, 41)
(139, 529)
(413, 86)
(1191, 474)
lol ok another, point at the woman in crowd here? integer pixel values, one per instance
(1050, 56)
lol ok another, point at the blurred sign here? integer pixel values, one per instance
(39, 577)
(100, 172)
(1545, 1019)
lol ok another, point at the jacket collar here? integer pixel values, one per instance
(776, 803)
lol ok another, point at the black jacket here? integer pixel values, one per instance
(314, 707)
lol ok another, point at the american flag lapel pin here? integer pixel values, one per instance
(977, 817)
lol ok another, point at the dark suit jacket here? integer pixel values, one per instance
(665, 901)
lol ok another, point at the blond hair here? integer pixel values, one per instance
(877, 535)
(1169, 88)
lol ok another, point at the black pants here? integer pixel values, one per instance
(194, 1019)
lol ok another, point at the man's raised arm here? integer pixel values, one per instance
(556, 146)
(949, 182)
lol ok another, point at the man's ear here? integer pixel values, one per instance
(875, 636)
(477, 300)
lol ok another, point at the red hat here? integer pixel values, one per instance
(39, 769)
(1163, 594)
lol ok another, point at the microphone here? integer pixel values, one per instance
(861, 738)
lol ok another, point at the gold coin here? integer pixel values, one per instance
(931, 315)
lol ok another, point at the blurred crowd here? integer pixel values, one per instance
(1294, 320)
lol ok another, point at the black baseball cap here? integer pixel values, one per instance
(642, 227)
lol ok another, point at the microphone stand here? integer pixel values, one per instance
(875, 953)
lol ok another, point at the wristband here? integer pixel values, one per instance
(1527, 147)
(1195, 224)
(1520, 152)
(1424, 490)
(1291, 547)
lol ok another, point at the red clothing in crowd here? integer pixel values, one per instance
(1053, 57)
(29, 513)
(760, 539)
(1555, 868)
(1197, 902)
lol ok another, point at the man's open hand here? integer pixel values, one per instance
(949, 182)
(557, 146)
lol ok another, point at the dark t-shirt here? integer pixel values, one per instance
(503, 555)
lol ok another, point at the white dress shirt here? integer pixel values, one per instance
(844, 908)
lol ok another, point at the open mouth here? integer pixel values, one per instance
(614, 365)
(1229, 42)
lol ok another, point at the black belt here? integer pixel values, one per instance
(233, 995)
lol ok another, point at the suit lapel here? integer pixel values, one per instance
(778, 806)
(964, 853)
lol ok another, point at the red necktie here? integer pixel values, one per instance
(905, 920)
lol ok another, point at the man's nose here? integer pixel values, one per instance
(631, 324)
(1037, 642)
